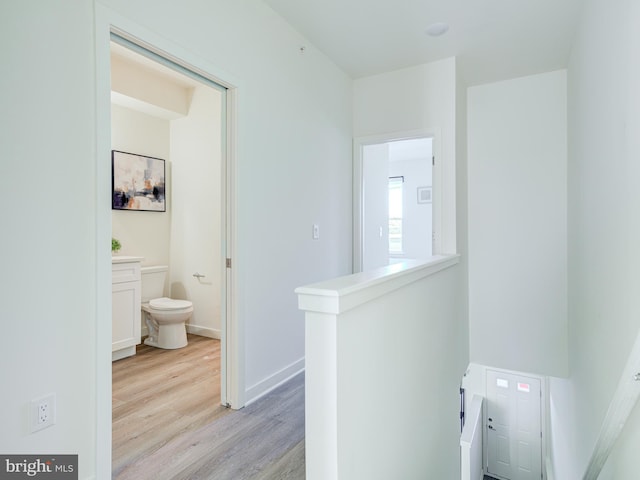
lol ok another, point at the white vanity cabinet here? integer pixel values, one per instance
(125, 305)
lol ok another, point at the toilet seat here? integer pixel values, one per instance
(165, 303)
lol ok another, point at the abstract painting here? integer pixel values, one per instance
(137, 182)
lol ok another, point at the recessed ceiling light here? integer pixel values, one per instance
(437, 29)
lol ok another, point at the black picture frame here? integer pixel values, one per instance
(137, 182)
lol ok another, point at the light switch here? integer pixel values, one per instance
(316, 231)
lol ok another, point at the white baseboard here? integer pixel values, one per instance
(195, 329)
(263, 387)
(203, 331)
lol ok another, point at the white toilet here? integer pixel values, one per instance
(165, 317)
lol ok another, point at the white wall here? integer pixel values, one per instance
(604, 225)
(144, 234)
(518, 223)
(409, 342)
(196, 206)
(624, 459)
(47, 189)
(51, 252)
(375, 187)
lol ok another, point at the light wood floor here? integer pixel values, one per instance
(168, 424)
(160, 394)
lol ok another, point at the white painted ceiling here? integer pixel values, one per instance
(492, 39)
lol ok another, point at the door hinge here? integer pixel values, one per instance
(433, 160)
(228, 263)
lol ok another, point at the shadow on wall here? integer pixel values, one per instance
(178, 291)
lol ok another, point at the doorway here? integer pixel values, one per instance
(393, 200)
(232, 384)
(161, 108)
(514, 426)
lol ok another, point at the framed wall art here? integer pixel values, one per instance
(137, 182)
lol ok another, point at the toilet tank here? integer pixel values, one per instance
(152, 279)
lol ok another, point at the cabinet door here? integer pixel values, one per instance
(125, 329)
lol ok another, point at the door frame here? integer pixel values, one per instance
(544, 388)
(232, 334)
(358, 187)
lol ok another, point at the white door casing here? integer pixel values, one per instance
(513, 420)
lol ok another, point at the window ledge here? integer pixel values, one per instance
(344, 293)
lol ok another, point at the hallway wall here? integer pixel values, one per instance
(518, 224)
(49, 244)
(604, 225)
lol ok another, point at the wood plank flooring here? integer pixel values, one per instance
(160, 394)
(264, 441)
(190, 439)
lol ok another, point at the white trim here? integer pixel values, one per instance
(623, 401)
(470, 457)
(233, 353)
(358, 207)
(162, 47)
(341, 294)
(203, 331)
(272, 382)
(102, 338)
(193, 329)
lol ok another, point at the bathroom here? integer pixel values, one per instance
(165, 115)
(159, 113)
(162, 114)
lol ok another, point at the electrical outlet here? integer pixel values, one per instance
(43, 412)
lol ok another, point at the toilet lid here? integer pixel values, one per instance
(165, 303)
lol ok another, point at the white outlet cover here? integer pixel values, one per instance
(47, 403)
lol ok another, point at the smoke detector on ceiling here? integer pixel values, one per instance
(437, 29)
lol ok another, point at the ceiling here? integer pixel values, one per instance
(492, 39)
